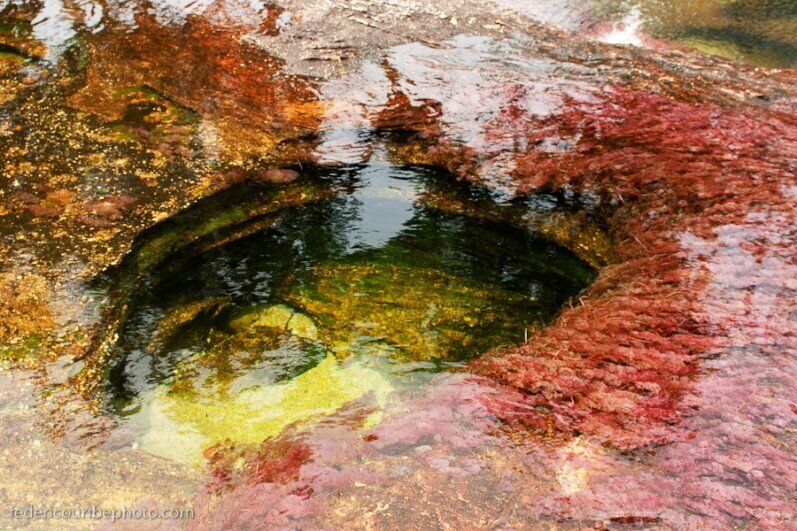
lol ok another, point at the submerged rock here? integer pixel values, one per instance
(418, 313)
(183, 425)
(175, 322)
(276, 316)
(267, 345)
(251, 385)
(23, 296)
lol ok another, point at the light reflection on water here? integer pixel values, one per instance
(763, 32)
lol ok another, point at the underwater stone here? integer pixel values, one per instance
(177, 319)
(183, 425)
(421, 312)
(276, 316)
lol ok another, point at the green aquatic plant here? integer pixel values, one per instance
(180, 233)
(423, 313)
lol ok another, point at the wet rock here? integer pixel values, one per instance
(277, 176)
(202, 78)
(44, 210)
(24, 312)
(110, 208)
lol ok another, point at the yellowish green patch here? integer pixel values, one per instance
(183, 425)
(276, 316)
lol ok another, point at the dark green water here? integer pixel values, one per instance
(377, 285)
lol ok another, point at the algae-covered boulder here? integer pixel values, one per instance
(275, 316)
(183, 424)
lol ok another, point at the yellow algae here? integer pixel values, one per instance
(183, 425)
(276, 316)
(301, 325)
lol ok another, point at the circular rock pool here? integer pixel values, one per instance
(376, 285)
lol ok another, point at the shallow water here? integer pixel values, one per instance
(762, 32)
(237, 278)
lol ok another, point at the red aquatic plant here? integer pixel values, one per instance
(666, 391)
(617, 364)
(690, 338)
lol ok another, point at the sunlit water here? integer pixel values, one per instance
(763, 32)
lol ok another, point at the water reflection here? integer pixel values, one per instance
(57, 22)
(759, 31)
(763, 32)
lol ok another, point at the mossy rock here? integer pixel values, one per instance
(278, 316)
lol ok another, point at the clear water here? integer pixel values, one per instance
(377, 287)
(762, 32)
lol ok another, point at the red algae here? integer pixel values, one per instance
(665, 396)
(690, 338)
(677, 169)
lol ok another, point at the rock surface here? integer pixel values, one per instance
(666, 396)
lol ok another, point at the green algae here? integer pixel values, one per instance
(183, 426)
(10, 58)
(423, 313)
(572, 229)
(740, 45)
(273, 354)
(29, 347)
